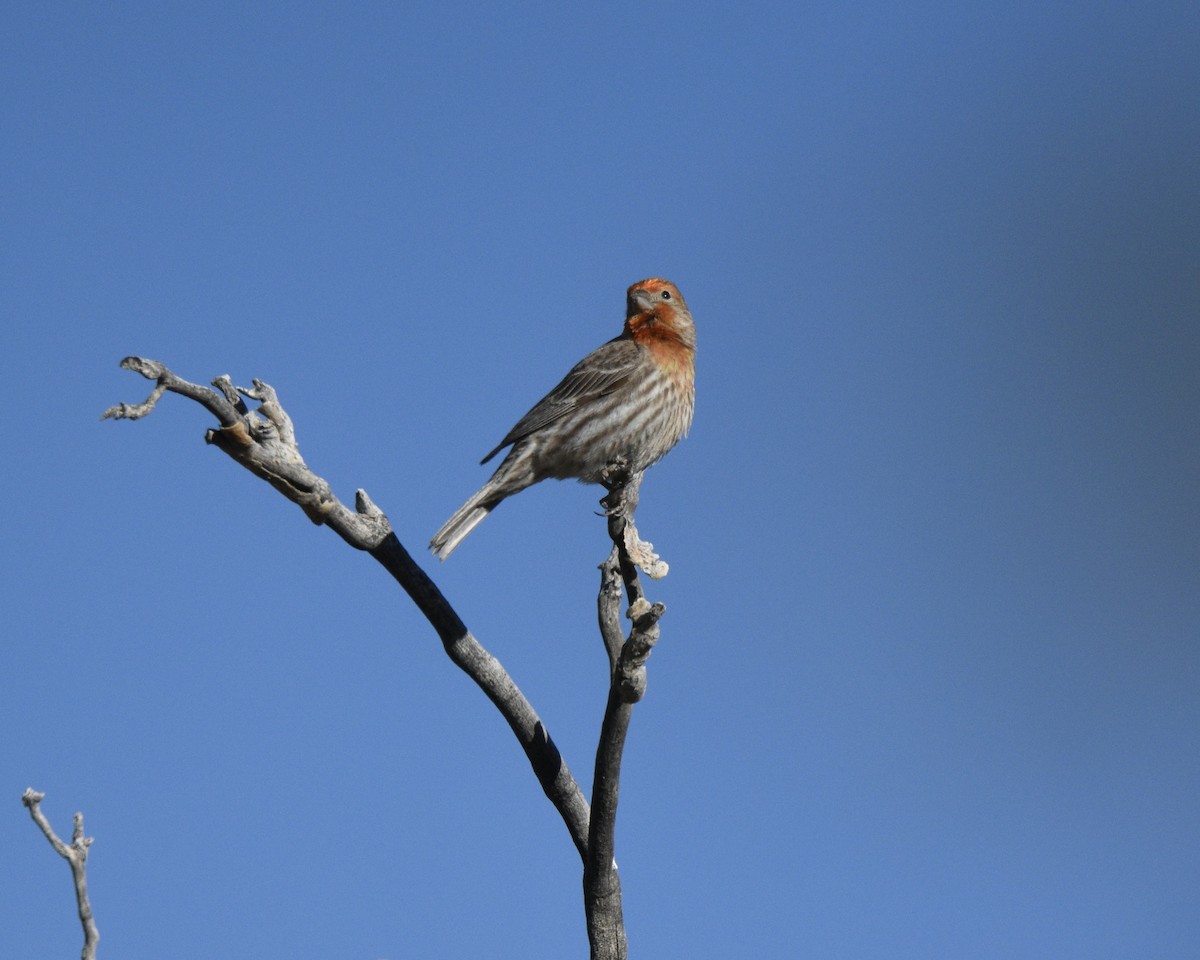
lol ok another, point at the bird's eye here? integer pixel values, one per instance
(666, 294)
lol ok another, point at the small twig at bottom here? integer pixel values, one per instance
(76, 855)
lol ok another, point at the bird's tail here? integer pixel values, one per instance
(464, 520)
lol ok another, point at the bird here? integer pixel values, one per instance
(631, 398)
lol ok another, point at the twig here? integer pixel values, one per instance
(75, 855)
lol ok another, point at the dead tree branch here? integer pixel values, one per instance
(627, 685)
(76, 855)
(474, 660)
(264, 442)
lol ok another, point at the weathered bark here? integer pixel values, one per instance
(264, 442)
(76, 855)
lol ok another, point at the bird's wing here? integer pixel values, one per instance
(595, 375)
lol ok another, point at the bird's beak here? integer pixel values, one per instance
(644, 301)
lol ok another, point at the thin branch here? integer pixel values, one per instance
(469, 655)
(619, 506)
(75, 855)
(264, 442)
(608, 608)
(627, 660)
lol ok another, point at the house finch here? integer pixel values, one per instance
(631, 398)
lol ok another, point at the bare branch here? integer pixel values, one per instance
(264, 442)
(627, 661)
(75, 855)
(619, 506)
(548, 765)
(608, 608)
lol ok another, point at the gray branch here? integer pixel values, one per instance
(264, 442)
(473, 659)
(627, 685)
(76, 855)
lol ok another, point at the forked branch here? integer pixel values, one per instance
(627, 685)
(75, 854)
(264, 442)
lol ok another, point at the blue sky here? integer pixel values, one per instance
(929, 678)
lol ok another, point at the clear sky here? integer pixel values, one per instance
(929, 679)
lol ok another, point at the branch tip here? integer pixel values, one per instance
(263, 441)
(645, 614)
(150, 369)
